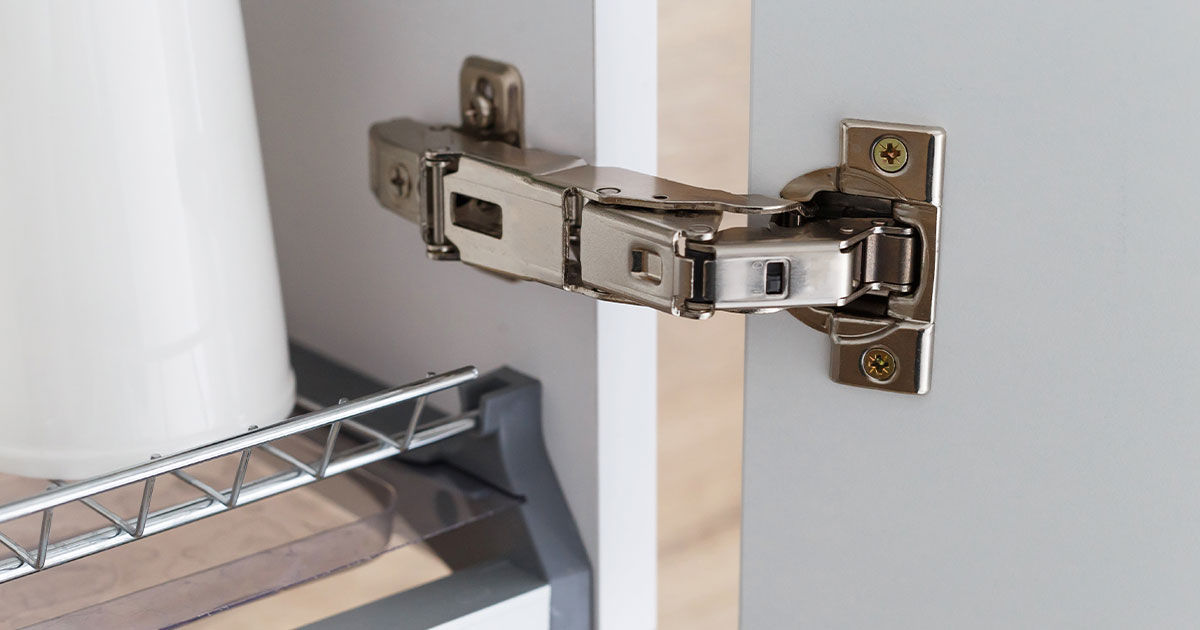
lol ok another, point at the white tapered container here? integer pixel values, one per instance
(140, 309)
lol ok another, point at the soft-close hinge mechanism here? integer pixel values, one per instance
(849, 250)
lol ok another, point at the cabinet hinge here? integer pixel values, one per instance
(849, 250)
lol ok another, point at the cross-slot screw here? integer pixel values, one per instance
(879, 364)
(399, 178)
(890, 154)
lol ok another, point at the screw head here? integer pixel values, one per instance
(890, 154)
(879, 364)
(399, 178)
(480, 112)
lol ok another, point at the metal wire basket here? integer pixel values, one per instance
(375, 445)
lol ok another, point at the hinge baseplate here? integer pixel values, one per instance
(851, 250)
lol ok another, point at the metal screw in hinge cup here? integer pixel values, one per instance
(890, 154)
(879, 364)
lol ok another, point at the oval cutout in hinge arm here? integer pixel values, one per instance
(851, 250)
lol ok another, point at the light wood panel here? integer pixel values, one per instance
(704, 83)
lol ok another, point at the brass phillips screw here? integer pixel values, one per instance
(890, 154)
(879, 364)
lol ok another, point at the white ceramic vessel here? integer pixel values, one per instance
(140, 310)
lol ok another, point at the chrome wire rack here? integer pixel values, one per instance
(375, 445)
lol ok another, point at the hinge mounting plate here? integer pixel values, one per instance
(491, 100)
(850, 250)
(882, 342)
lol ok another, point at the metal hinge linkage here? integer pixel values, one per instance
(849, 250)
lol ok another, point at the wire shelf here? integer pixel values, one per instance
(376, 446)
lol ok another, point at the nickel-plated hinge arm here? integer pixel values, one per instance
(620, 235)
